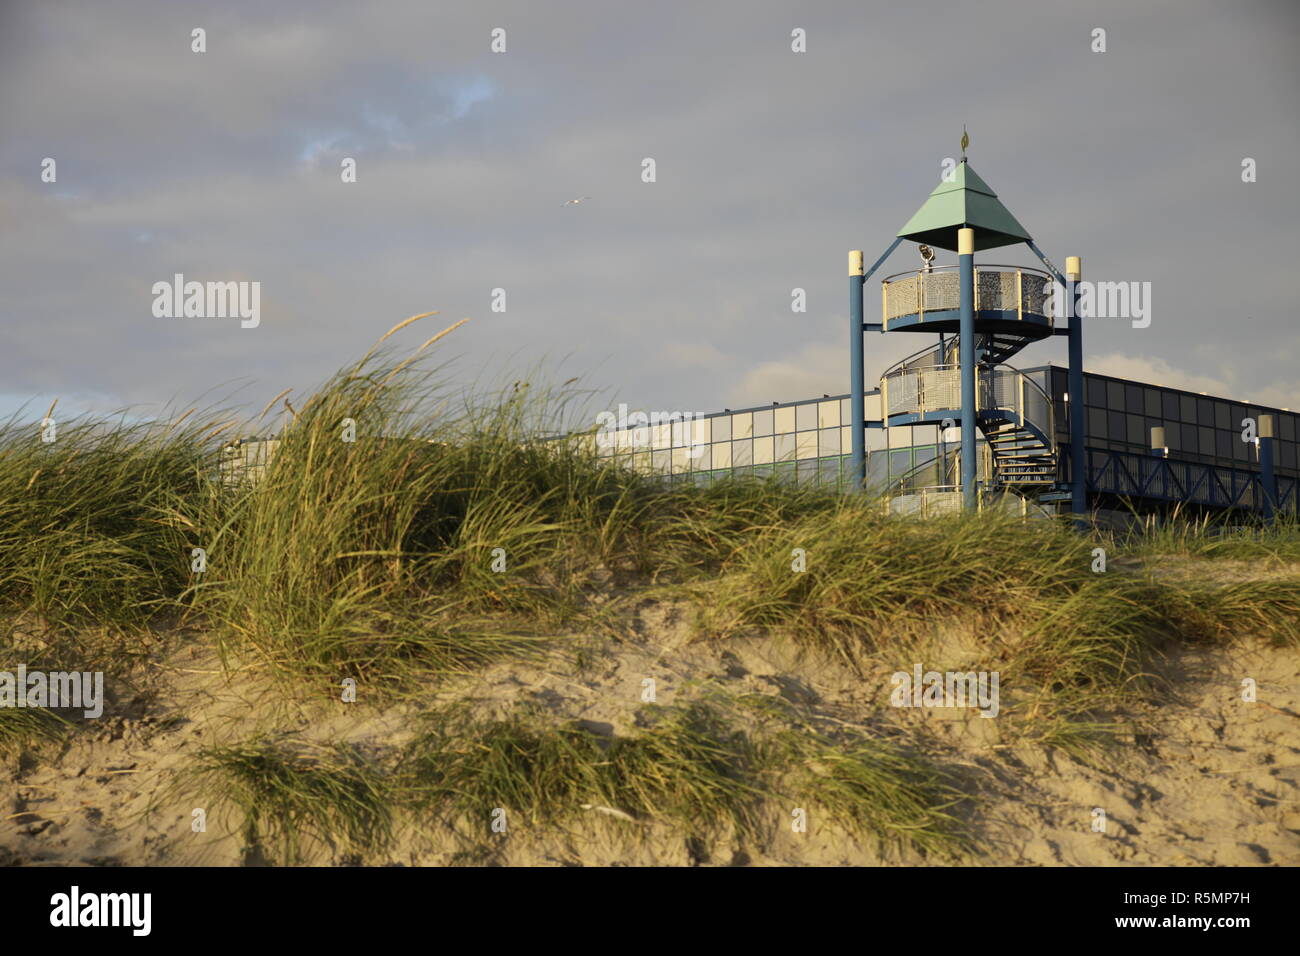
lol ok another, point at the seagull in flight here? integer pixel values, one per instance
(574, 202)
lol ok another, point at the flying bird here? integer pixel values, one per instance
(574, 202)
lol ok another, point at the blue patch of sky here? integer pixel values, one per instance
(395, 122)
(322, 144)
(31, 409)
(467, 92)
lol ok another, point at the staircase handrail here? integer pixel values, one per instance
(944, 382)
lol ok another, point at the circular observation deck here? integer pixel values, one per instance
(1008, 299)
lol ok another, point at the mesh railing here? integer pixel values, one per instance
(926, 502)
(1007, 288)
(245, 460)
(919, 391)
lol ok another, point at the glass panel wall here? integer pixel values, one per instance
(1119, 416)
(811, 441)
(801, 441)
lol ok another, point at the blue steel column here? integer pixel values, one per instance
(857, 373)
(1267, 476)
(966, 286)
(1078, 457)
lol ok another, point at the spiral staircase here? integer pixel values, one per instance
(1014, 414)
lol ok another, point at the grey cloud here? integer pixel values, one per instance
(771, 166)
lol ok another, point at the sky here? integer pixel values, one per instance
(769, 166)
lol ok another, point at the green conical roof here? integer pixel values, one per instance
(966, 201)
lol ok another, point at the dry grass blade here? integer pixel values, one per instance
(393, 331)
(416, 354)
(272, 402)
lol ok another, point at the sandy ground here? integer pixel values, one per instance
(1215, 781)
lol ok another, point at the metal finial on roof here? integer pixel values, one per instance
(965, 141)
